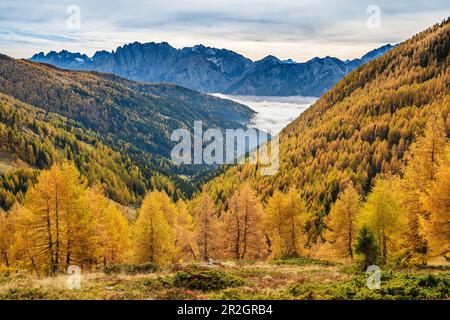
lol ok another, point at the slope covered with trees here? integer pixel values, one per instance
(142, 115)
(362, 127)
(40, 139)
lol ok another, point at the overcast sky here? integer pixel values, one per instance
(255, 28)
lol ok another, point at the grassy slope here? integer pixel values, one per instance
(298, 279)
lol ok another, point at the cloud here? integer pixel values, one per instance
(285, 28)
(273, 113)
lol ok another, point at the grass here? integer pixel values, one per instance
(292, 279)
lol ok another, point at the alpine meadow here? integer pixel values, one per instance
(91, 196)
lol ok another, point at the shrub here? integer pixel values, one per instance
(398, 285)
(302, 262)
(205, 280)
(132, 269)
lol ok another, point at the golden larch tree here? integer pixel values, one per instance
(58, 206)
(423, 160)
(437, 203)
(285, 223)
(206, 228)
(154, 239)
(341, 223)
(243, 226)
(185, 244)
(383, 215)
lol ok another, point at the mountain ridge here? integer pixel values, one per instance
(213, 70)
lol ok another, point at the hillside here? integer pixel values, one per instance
(360, 128)
(143, 118)
(213, 70)
(32, 139)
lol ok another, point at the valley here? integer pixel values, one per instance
(272, 113)
(94, 206)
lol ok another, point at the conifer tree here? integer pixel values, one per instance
(342, 222)
(437, 203)
(285, 223)
(243, 226)
(367, 246)
(382, 214)
(423, 159)
(154, 238)
(206, 228)
(186, 247)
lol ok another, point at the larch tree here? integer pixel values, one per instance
(206, 228)
(342, 222)
(274, 225)
(423, 160)
(58, 206)
(186, 247)
(7, 230)
(24, 249)
(154, 238)
(296, 217)
(285, 223)
(437, 203)
(243, 225)
(110, 231)
(382, 214)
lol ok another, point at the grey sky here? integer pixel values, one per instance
(255, 28)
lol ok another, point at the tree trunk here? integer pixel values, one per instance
(350, 234)
(238, 237)
(57, 226)
(384, 249)
(6, 259)
(244, 250)
(53, 267)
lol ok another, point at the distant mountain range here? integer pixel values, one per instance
(213, 70)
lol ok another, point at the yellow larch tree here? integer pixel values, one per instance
(7, 230)
(206, 228)
(185, 244)
(383, 215)
(341, 223)
(285, 224)
(110, 232)
(58, 207)
(274, 222)
(243, 226)
(423, 160)
(24, 250)
(154, 238)
(437, 203)
(296, 217)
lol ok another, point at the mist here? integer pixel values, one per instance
(273, 113)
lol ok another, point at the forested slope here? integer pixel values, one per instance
(360, 128)
(40, 139)
(141, 114)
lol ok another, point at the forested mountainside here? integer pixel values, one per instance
(361, 128)
(33, 139)
(115, 130)
(142, 115)
(213, 70)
